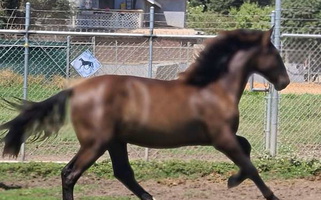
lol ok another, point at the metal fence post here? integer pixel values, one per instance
(188, 52)
(151, 32)
(26, 66)
(274, 93)
(268, 121)
(309, 68)
(93, 41)
(68, 58)
(150, 59)
(274, 121)
(116, 51)
(269, 104)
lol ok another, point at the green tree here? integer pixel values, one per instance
(61, 5)
(301, 16)
(2, 19)
(49, 12)
(10, 4)
(241, 15)
(208, 22)
(263, 2)
(223, 6)
(59, 11)
(195, 3)
(251, 15)
(9, 13)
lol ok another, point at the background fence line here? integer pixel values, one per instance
(163, 56)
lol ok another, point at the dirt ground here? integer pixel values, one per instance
(296, 88)
(205, 188)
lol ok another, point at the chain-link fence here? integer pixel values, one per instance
(162, 57)
(300, 110)
(50, 72)
(299, 116)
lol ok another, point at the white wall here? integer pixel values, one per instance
(167, 5)
(173, 5)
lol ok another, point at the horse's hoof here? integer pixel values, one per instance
(272, 197)
(233, 182)
(147, 197)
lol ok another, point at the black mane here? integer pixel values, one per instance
(213, 61)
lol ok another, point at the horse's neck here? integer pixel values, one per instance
(232, 78)
(234, 82)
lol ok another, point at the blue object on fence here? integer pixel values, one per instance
(86, 64)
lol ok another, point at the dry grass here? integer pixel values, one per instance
(10, 78)
(58, 81)
(36, 79)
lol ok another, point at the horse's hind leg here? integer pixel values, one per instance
(85, 157)
(122, 170)
(245, 145)
(238, 178)
(68, 187)
(228, 144)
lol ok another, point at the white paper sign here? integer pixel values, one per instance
(86, 64)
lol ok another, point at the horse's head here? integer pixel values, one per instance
(246, 51)
(269, 63)
(265, 59)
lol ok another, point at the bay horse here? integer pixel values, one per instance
(199, 108)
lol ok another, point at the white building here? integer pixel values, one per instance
(117, 14)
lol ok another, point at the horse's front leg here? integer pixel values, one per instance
(122, 170)
(227, 143)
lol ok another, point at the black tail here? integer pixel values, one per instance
(40, 119)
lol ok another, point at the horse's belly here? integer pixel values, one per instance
(162, 137)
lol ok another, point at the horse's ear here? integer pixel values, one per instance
(267, 37)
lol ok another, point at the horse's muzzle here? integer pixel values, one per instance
(283, 83)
